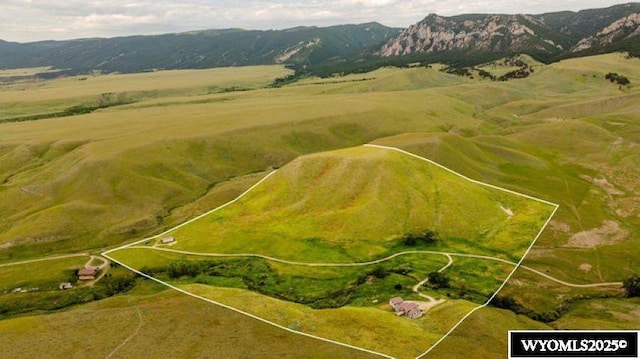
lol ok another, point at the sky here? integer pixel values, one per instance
(34, 20)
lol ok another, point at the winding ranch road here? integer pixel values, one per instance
(359, 264)
(104, 267)
(416, 288)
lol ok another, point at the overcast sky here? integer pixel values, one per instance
(32, 20)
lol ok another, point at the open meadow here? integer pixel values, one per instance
(150, 151)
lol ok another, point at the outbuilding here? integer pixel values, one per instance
(167, 240)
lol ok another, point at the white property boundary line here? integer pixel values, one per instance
(496, 292)
(555, 209)
(196, 218)
(106, 254)
(243, 312)
(461, 175)
(556, 206)
(362, 264)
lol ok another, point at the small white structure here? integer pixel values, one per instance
(65, 285)
(167, 240)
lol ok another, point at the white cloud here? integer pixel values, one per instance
(30, 20)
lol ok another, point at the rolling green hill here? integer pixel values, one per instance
(356, 204)
(273, 252)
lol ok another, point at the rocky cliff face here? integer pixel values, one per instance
(624, 29)
(532, 34)
(495, 33)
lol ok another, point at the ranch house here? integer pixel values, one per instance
(408, 309)
(87, 273)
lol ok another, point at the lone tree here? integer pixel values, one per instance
(632, 286)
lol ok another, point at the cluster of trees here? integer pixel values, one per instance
(459, 71)
(619, 79)
(427, 236)
(520, 73)
(631, 286)
(105, 100)
(185, 269)
(523, 72)
(486, 75)
(507, 302)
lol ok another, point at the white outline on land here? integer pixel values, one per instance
(361, 264)
(46, 259)
(516, 265)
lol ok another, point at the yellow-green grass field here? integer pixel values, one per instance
(345, 206)
(166, 324)
(31, 71)
(373, 328)
(122, 173)
(602, 314)
(58, 94)
(484, 335)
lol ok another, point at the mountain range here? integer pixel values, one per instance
(473, 37)
(546, 36)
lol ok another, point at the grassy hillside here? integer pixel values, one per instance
(157, 325)
(154, 156)
(46, 275)
(356, 204)
(344, 206)
(400, 337)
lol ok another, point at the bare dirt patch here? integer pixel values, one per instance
(425, 306)
(559, 226)
(585, 267)
(628, 207)
(604, 184)
(609, 233)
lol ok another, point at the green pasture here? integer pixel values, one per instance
(483, 335)
(374, 328)
(42, 275)
(602, 314)
(165, 324)
(317, 287)
(354, 205)
(58, 94)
